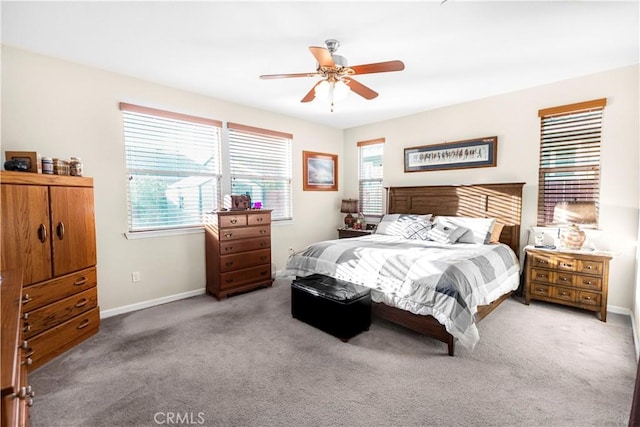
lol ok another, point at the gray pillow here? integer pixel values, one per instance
(417, 230)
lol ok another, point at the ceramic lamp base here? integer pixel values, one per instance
(572, 237)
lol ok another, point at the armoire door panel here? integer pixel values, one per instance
(73, 229)
(26, 231)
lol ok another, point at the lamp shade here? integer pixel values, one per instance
(349, 206)
(575, 212)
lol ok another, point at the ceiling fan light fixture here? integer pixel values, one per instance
(332, 90)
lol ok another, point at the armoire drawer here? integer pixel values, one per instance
(61, 338)
(44, 293)
(233, 247)
(43, 318)
(245, 260)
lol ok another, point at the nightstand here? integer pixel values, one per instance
(345, 233)
(573, 278)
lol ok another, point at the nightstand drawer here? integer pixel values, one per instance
(544, 261)
(542, 275)
(566, 264)
(562, 278)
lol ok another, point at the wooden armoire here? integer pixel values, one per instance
(48, 233)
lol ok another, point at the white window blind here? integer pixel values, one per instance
(370, 176)
(569, 170)
(173, 168)
(260, 165)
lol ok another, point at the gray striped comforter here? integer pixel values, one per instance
(448, 282)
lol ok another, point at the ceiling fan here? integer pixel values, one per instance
(337, 80)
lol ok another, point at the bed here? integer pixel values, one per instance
(433, 287)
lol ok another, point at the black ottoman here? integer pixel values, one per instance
(339, 308)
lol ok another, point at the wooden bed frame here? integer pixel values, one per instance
(500, 201)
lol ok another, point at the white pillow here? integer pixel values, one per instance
(395, 224)
(417, 230)
(479, 229)
(445, 233)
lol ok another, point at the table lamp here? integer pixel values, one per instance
(574, 214)
(349, 206)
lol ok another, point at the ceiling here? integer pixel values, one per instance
(454, 51)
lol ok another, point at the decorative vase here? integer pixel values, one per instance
(572, 237)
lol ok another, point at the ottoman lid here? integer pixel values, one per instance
(328, 287)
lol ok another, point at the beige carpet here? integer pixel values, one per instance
(245, 362)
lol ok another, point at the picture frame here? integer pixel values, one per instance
(31, 158)
(320, 171)
(469, 153)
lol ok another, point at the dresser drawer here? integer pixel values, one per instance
(565, 294)
(540, 290)
(244, 260)
(590, 267)
(232, 247)
(259, 219)
(588, 282)
(248, 275)
(44, 293)
(590, 298)
(243, 233)
(57, 340)
(43, 318)
(544, 261)
(563, 278)
(542, 275)
(227, 221)
(566, 264)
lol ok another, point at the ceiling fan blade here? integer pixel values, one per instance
(285, 76)
(378, 67)
(311, 95)
(360, 89)
(323, 56)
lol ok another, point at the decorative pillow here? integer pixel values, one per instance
(417, 230)
(445, 233)
(495, 233)
(479, 229)
(395, 224)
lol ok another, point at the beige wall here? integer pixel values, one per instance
(514, 119)
(62, 109)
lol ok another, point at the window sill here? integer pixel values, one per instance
(162, 233)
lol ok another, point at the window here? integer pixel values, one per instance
(370, 190)
(260, 165)
(569, 157)
(173, 168)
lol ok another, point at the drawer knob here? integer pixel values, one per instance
(589, 267)
(259, 219)
(228, 235)
(229, 280)
(587, 298)
(587, 282)
(26, 298)
(564, 279)
(228, 263)
(263, 257)
(28, 361)
(26, 327)
(563, 294)
(263, 231)
(24, 345)
(539, 289)
(263, 273)
(233, 221)
(81, 281)
(25, 316)
(228, 248)
(263, 244)
(82, 302)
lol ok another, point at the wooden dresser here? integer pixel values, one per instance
(577, 279)
(17, 395)
(238, 251)
(48, 227)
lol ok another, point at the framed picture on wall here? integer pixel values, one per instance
(470, 153)
(320, 171)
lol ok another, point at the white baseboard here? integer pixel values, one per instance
(150, 303)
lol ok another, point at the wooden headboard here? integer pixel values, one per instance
(500, 201)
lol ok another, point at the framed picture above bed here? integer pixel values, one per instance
(470, 153)
(320, 171)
